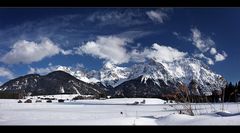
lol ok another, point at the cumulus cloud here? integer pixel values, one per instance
(157, 16)
(113, 49)
(159, 53)
(4, 72)
(164, 53)
(202, 56)
(27, 51)
(213, 51)
(220, 57)
(109, 48)
(202, 43)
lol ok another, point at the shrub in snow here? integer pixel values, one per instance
(183, 99)
(60, 100)
(38, 101)
(143, 102)
(28, 101)
(49, 101)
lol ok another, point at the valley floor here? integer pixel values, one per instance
(114, 112)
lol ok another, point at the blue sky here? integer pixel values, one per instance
(39, 39)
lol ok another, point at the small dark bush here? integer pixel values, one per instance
(60, 100)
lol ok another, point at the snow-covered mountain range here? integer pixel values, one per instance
(150, 78)
(180, 71)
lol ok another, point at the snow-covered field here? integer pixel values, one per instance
(117, 111)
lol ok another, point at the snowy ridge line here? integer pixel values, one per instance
(184, 71)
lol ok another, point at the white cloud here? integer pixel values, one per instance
(213, 51)
(157, 16)
(138, 56)
(176, 34)
(66, 52)
(202, 56)
(120, 18)
(165, 53)
(110, 48)
(179, 36)
(51, 68)
(42, 71)
(79, 66)
(133, 34)
(27, 52)
(4, 72)
(210, 61)
(159, 53)
(202, 43)
(220, 57)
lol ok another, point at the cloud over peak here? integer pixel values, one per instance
(110, 48)
(165, 53)
(159, 53)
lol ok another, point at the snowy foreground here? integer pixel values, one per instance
(114, 112)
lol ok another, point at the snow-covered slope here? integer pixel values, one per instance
(81, 74)
(109, 75)
(150, 70)
(189, 69)
(112, 75)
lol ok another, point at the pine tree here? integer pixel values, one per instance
(229, 91)
(238, 87)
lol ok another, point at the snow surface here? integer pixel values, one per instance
(108, 112)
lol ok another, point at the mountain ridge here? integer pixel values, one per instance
(147, 77)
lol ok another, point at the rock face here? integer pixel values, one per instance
(56, 82)
(148, 88)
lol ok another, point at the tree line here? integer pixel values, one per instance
(232, 92)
